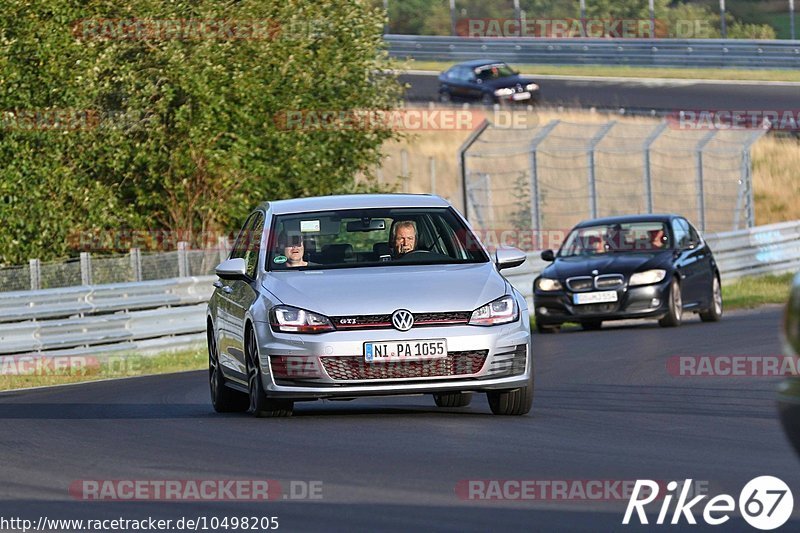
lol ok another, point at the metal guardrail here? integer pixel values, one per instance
(710, 53)
(165, 314)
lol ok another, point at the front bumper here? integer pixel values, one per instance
(632, 302)
(331, 365)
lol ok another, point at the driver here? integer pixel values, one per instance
(403, 239)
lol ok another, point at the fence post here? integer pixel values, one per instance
(462, 162)
(86, 268)
(432, 166)
(536, 208)
(222, 245)
(592, 181)
(36, 274)
(136, 264)
(648, 174)
(183, 260)
(701, 193)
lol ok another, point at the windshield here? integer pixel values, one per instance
(602, 239)
(371, 237)
(491, 72)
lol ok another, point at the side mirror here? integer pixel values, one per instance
(548, 255)
(232, 269)
(509, 257)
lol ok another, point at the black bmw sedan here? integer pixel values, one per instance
(637, 266)
(488, 81)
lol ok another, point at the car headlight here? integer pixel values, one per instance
(287, 319)
(647, 277)
(501, 311)
(547, 284)
(504, 92)
(532, 87)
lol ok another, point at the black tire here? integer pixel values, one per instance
(714, 313)
(487, 99)
(259, 404)
(675, 313)
(546, 328)
(444, 97)
(452, 399)
(514, 402)
(592, 325)
(223, 398)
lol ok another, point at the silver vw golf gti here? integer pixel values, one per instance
(341, 297)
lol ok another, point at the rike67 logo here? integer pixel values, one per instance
(766, 503)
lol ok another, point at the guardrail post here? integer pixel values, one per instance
(136, 264)
(183, 259)
(36, 274)
(222, 245)
(86, 268)
(536, 208)
(648, 175)
(590, 154)
(701, 193)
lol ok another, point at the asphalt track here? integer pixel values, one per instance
(605, 409)
(660, 95)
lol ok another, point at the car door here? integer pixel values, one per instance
(687, 264)
(705, 267)
(227, 325)
(245, 292)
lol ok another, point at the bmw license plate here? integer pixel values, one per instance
(521, 96)
(594, 297)
(375, 352)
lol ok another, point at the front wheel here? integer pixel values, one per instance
(513, 402)
(675, 311)
(260, 405)
(714, 313)
(223, 398)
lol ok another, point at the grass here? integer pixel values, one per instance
(746, 293)
(59, 370)
(634, 72)
(775, 163)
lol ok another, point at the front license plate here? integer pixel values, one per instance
(594, 297)
(375, 352)
(521, 96)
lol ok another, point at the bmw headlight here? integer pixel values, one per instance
(532, 87)
(548, 285)
(504, 92)
(288, 319)
(647, 277)
(501, 311)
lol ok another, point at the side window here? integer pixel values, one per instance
(680, 229)
(240, 246)
(693, 235)
(465, 74)
(254, 244)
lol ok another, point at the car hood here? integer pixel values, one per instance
(611, 263)
(508, 81)
(377, 290)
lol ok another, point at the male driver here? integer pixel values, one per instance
(293, 249)
(404, 238)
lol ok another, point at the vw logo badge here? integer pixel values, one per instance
(402, 320)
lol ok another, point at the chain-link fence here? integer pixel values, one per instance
(91, 269)
(554, 175)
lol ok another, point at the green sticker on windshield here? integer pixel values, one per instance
(280, 259)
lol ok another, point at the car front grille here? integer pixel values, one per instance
(609, 281)
(581, 283)
(594, 309)
(352, 368)
(384, 321)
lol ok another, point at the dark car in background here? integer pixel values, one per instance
(789, 392)
(635, 266)
(486, 81)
